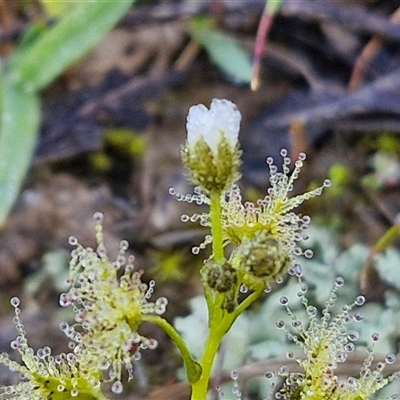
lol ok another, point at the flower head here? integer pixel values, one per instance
(211, 152)
(44, 376)
(273, 214)
(109, 307)
(267, 233)
(326, 343)
(221, 120)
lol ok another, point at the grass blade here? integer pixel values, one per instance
(19, 126)
(65, 43)
(223, 50)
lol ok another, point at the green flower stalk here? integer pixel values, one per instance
(45, 376)
(262, 237)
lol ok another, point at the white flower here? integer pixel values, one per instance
(222, 119)
(211, 152)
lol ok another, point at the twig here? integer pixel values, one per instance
(171, 11)
(355, 19)
(369, 52)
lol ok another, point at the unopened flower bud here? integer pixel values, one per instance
(263, 259)
(222, 278)
(211, 152)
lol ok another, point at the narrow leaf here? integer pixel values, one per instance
(224, 51)
(65, 43)
(19, 124)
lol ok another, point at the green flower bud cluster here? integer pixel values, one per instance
(47, 376)
(327, 342)
(263, 236)
(109, 307)
(255, 264)
(110, 302)
(222, 278)
(263, 260)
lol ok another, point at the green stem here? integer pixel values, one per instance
(193, 369)
(251, 298)
(218, 328)
(220, 323)
(216, 227)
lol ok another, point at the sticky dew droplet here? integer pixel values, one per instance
(234, 374)
(298, 270)
(284, 301)
(348, 318)
(360, 300)
(308, 253)
(117, 387)
(195, 250)
(358, 317)
(339, 281)
(98, 217)
(60, 388)
(15, 302)
(269, 374)
(268, 289)
(302, 156)
(185, 218)
(353, 336)
(243, 289)
(375, 336)
(349, 347)
(124, 245)
(390, 358)
(283, 152)
(283, 370)
(312, 311)
(72, 241)
(280, 324)
(297, 251)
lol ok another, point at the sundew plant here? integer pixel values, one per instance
(253, 246)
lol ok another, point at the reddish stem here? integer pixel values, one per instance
(261, 39)
(363, 61)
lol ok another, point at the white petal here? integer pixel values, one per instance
(196, 123)
(226, 119)
(222, 118)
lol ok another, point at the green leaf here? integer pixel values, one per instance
(65, 43)
(57, 8)
(19, 125)
(223, 50)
